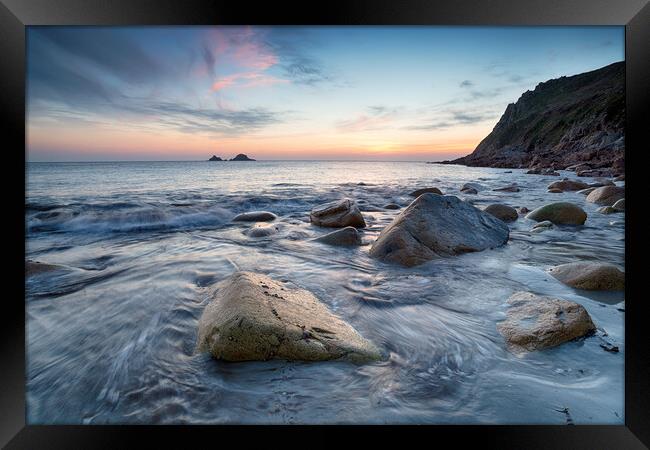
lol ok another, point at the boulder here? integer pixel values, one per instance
(391, 206)
(337, 214)
(555, 191)
(432, 190)
(433, 226)
(534, 322)
(619, 205)
(523, 210)
(606, 195)
(469, 191)
(560, 213)
(469, 186)
(620, 178)
(568, 185)
(344, 236)
(503, 212)
(255, 216)
(592, 276)
(252, 317)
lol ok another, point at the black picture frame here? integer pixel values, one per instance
(15, 15)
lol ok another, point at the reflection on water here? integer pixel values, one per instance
(111, 339)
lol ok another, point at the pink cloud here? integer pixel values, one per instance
(246, 80)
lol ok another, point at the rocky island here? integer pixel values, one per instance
(574, 122)
(215, 158)
(242, 157)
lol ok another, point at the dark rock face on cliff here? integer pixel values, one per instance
(215, 158)
(242, 157)
(577, 120)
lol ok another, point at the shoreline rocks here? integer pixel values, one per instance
(535, 322)
(255, 318)
(560, 213)
(434, 226)
(337, 214)
(592, 276)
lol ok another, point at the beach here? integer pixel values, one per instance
(111, 337)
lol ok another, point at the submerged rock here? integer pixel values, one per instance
(561, 213)
(391, 206)
(433, 226)
(255, 318)
(607, 210)
(568, 185)
(344, 236)
(255, 216)
(471, 191)
(619, 205)
(593, 276)
(432, 190)
(555, 191)
(337, 214)
(262, 230)
(503, 212)
(542, 226)
(586, 191)
(534, 322)
(511, 188)
(471, 186)
(606, 195)
(37, 267)
(523, 210)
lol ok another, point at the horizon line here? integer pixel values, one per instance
(226, 160)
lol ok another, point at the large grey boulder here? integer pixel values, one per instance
(534, 322)
(433, 226)
(606, 195)
(337, 214)
(560, 213)
(594, 276)
(255, 318)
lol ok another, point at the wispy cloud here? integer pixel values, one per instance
(451, 118)
(466, 84)
(376, 117)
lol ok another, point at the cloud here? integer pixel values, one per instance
(466, 84)
(376, 117)
(452, 117)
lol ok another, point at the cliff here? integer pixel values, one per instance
(563, 122)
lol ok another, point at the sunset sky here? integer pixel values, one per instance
(362, 93)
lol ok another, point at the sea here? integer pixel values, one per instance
(112, 339)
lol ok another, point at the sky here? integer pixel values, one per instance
(288, 93)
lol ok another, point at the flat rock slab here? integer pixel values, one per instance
(606, 195)
(593, 276)
(36, 268)
(255, 318)
(255, 216)
(534, 322)
(560, 213)
(347, 236)
(338, 214)
(434, 226)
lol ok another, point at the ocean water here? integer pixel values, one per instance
(112, 339)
